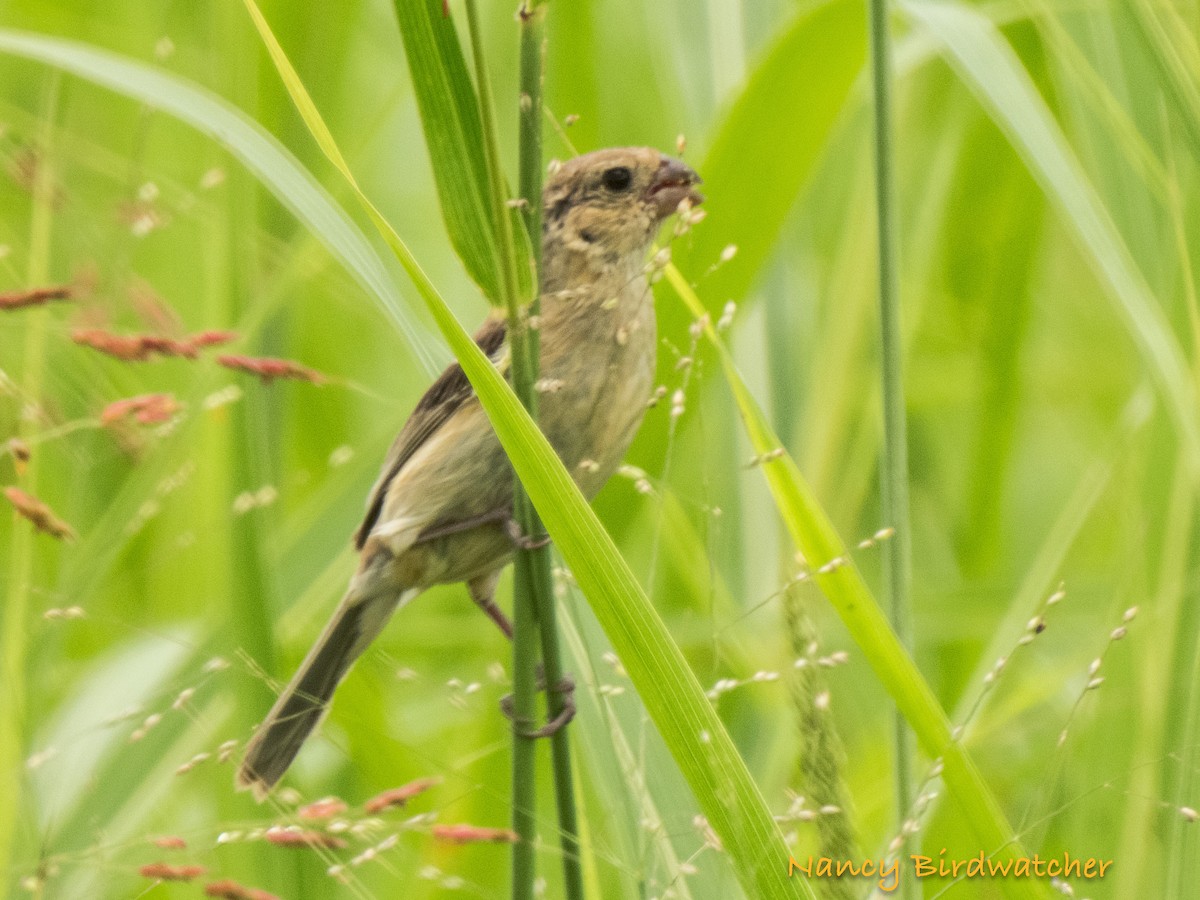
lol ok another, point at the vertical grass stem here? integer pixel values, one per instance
(534, 624)
(532, 17)
(894, 463)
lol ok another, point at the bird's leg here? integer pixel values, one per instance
(483, 592)
(501, 517)
(494, 517)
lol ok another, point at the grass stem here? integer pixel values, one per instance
(13, 642)
(534, 621)
(532, 17)
(894, 464)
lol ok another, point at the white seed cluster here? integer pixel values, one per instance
(769, 456)
(196, 760)
(711, 841)
(249, 500)
(223, 397)
(687, 217)
(39, 759)
(146, 727)
(882, 534)
(725, 685)
(678, 404)
(212, 178)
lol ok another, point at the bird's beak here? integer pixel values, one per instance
(673, 183)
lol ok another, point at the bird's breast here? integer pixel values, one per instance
(598, 359)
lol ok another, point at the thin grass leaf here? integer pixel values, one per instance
(770, 140)
(1060, 539)
(255, 147)
(990, 68)
(142, 792)
(835, 573)
(615, 767)
(674, 698)
(894, 503)
(1098, 92)
(453, 129)
(1165, 34)
(19, 597)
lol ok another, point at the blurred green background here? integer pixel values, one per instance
(1048, 186)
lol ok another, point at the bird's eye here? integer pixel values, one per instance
(617, 179)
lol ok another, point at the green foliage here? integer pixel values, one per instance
(454, 136)
(1048, 212)
(673, 697)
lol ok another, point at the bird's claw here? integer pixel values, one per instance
(565, 687)
(522, 541)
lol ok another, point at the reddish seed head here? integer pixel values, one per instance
(212, 338)
(269, 369)
(399, 796)
(140, 347)
(166, 346)
(231, 890)
(294, 837)
(320, 810)
(170, 842)
(148, 409)
(166, 872)
(33, 297)
(472, 834)
(128, 349)
(39, 514)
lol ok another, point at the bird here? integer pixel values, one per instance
(441, 509)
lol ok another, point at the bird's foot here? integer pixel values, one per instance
(564, 688)
(521, 540)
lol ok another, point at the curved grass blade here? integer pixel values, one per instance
(991, 69)
(676, 702)
(770, 140)
(450, 117)
(838, 578)
(1163, 32)
(255, 147)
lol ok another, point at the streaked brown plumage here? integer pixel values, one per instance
(441, 509)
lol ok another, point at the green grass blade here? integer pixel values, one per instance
(453, 127)
(991, 69)
(894, 474)
(673, 697)
(610, 747)
(19, 597)
(770, 141)
(255, 147)
(1164, 32)
(838, 578)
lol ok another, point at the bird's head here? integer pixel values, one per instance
(604, 208)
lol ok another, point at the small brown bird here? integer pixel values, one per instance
(441, 510)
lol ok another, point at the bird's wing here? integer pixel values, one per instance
(444, 397)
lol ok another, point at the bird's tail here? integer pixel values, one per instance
(358, 619)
